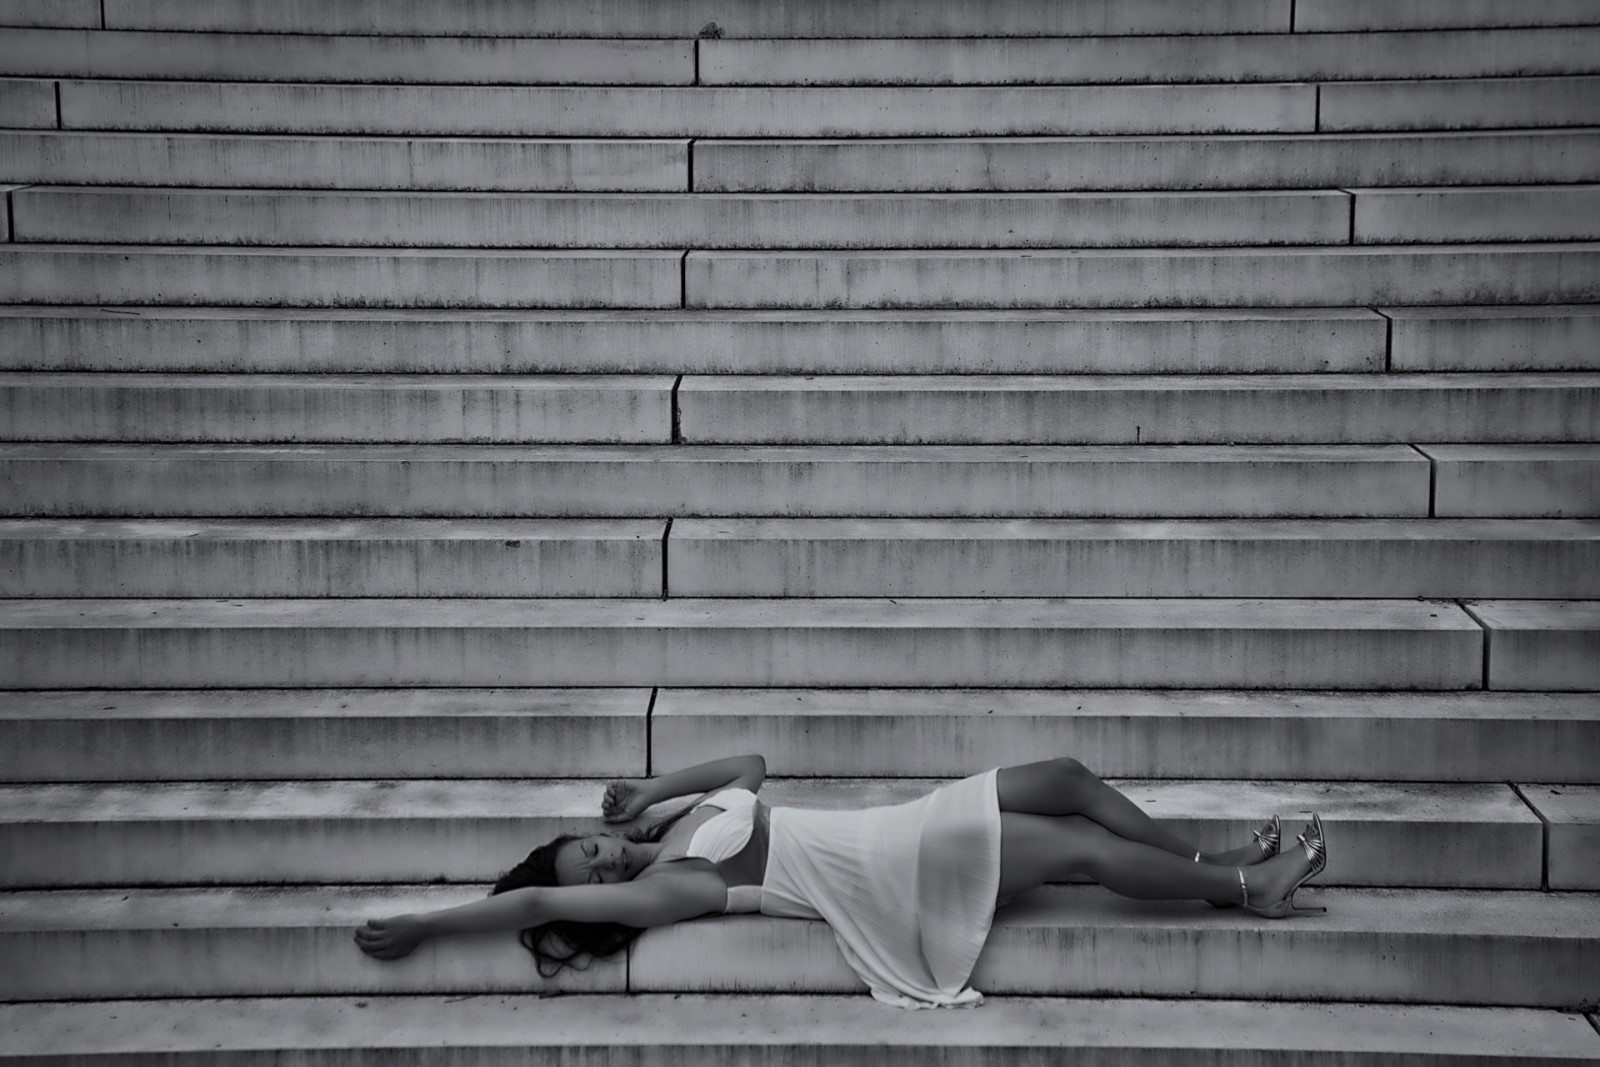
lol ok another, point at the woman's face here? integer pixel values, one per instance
(595, 860)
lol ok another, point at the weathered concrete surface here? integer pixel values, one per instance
(28, 103)
(76, 157)
(1022, 557)
(596, 481)
(1541, 644)
(1499, 339)
(78, 944)
(1464, 104)
(227, 339)
(265, 57)
(1500, 213)
(1323, 15)
(1239, 161)
(734, 18)
(1129, 409)
(50, 13)
(1192, 58)
(1462, 947)
(1552, 480)
(1255, 644)
(685, 112)
(1572, 814)
(182, 735)
(45, 274)
(375, 557)
(683, 220)
(497, 409)
(271, 833)
(1168, 277)
(839, 1031)
(1467, 736)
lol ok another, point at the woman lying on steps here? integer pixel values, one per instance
(909, 889)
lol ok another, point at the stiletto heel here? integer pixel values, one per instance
(1316, 849)
(1267, 840)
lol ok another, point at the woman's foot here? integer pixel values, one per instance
(1269, 887)
(1264, 847)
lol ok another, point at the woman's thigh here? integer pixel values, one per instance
(1035, 849)
(1049, 787)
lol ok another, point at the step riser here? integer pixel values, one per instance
(1513, 339)
(1493, 103)
(1403, 216)
(1550, 481)
(1317, 161)
(1319, 16)
(552, 221)
(354, 163)
(28, 104)
(1544, 645)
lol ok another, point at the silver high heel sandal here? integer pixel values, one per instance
(1316, 849)
(1268, 840)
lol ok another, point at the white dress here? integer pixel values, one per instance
(908, 889)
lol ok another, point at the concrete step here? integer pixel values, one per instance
(452, 60)
(794, 1031)
(274, 277)
(615, 409)
(1450, 104)
(235, 734)
(1209, 58)
(733, 18)
(681, 220)
(516, 111)
(1249, 644)
(1063, 557)
(272, 162)
(458, 481)
(1541, 644)
(1240, 340)
(1482, 338)
(271, 833)
(1429, 737)
(1169, 277)
(50, 12)
(1460, 947)
(1127, 409)
(1468, 947)
(1527, 481)
(27, 103)
(1241, 161)
(372, 557)
(1571, 814)
(1500, 213)
(1319, 16)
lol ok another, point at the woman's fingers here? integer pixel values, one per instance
(382, 941)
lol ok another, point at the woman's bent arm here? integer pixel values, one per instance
(628, 798)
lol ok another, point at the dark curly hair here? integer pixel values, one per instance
(560, 944)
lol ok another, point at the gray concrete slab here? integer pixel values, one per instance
(50, 13)
(1324, 15)
(737, 18)
(1504, 339)
(266, 57)
(28, 103)
(677, 221)
(595, 481)
(242, 734)
(1177, 277)
(379, 557)
(1298, 736)
(789, 1030)
(1454, 104)
(615, 409)
(1133, 409)
(1549, 480)
(1572, 815)
(1238, 161)
(46, 274)
(1328, 558)
(280, 340)
(1189, 58)
(1257, 644)
(1498, 213)
(79, 157)
(685, 112)
(1464, 947)
(1541, 644)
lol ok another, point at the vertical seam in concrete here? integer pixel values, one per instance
(59, 126)
(677, 416)
(649, 733)
(1388, 343)
(1544, 855)
(1351, 238)
(697, 61)
(1316, 125)
(103, 13)
(666, 538)
(11, 217)
(690, 162)
(683, 284)
(1594, 1021)
(1292, 4)
(1488, 638)
(1433, 481)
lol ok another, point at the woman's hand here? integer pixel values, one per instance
(390, 939)
(625, 799)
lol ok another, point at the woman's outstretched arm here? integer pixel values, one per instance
(627, 798)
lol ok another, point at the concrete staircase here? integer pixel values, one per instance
(413, 414)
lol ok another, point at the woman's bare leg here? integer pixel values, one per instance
(1066, 787)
